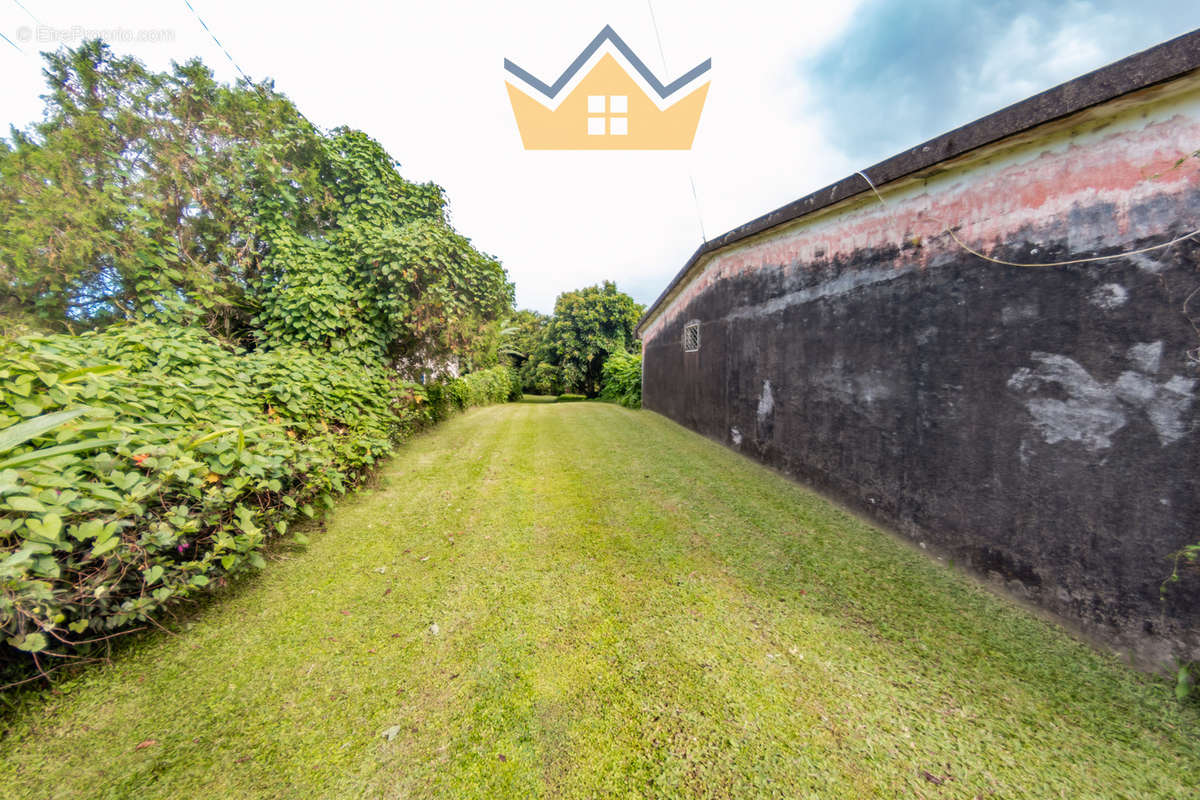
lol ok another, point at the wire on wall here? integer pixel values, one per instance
(948, 230)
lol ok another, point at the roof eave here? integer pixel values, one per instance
(1159, 64)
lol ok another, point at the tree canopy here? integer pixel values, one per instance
(173, 197)
(588, 326)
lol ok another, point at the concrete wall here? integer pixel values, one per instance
(1038, 425)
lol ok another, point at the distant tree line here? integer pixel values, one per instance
(567, 351)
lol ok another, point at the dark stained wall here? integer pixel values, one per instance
(1038, 425)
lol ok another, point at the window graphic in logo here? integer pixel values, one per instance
(607, 100)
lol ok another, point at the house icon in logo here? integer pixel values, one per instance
(607, 99)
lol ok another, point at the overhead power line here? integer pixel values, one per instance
(15, 46)
(217, 41)
(237, 66)
(21, 6)
(666, 74)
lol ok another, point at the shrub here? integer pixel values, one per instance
(144, 463)
(514, 385)
(493, 385)
(546, 379)
(622, 379)
(570, 398)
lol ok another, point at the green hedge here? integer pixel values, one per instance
(494, 385)
(144, 463)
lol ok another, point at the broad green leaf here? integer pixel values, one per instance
(30, 643)
(102, 547)
(83, 372)
(46, 566)
(208, 437)
(17, 559)
(47, 528)
(47, 453)
(21, 502)
(87, 530)
(27, 408)
(29, 429)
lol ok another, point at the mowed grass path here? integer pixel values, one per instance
(576, 600)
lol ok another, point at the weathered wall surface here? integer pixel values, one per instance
(1036, 424)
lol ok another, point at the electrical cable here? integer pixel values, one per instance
(238, 67)
(666, 72)
(948, 230)
(21, 6)
(15, 46)
(207, 29)
(699, 216)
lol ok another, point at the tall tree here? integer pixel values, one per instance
(132, 197)
(589, 325)
(172, 196)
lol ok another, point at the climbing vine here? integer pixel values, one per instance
(172, 197)
(224, 300)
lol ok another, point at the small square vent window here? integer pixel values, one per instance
(691, 336)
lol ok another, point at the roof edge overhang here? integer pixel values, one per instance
(1159, 64)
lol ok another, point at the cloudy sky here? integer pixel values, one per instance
(803, 93)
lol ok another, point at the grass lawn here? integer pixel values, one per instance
(576, 600)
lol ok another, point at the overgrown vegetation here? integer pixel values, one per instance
(174, 198)
(144, 462)
(622, 379)
(223, 306)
